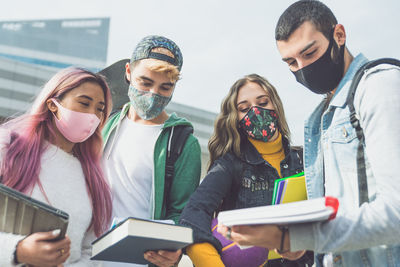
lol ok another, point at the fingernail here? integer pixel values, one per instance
(56, 232)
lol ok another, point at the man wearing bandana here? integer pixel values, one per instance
(137, 140)
(313, 44)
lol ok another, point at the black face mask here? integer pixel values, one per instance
(323, 75)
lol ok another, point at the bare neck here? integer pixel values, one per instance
(348, 58)
(62, 142)
(160, 119)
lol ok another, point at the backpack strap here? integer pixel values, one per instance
(176, 141)
(361, 170)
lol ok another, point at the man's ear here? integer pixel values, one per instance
(339, 34)
(128, 72)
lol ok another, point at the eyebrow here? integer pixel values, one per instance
(301, 51)
(91, 99)
(145, 78)
(150, 80)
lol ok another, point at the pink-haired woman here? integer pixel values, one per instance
(53, 154)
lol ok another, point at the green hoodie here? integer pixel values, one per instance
(186, 169)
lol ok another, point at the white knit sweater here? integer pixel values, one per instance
(63, 181)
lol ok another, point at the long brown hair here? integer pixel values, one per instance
(226, 137)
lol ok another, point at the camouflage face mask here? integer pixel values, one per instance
(259, 123)
(147, 105)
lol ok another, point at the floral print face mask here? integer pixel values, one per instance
(259, 123)
(147, 105)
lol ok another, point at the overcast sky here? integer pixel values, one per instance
(222, 41)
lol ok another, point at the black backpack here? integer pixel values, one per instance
(361, 171)
(176, 141)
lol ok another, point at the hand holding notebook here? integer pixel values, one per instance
(312, 210)
(290, 193)
(262, 226)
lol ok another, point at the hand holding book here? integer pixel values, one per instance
(140, 241)
(259, 226)
(253, 235)
(163, 257)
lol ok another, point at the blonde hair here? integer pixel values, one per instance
(226, 137)
(170, 70)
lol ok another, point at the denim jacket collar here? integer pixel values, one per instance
(340, 96)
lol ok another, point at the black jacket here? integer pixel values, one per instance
(233, 183)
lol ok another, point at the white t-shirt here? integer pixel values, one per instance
(130, 171)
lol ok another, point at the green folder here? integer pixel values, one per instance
(276, 183)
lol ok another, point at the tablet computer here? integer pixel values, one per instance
(23, 215)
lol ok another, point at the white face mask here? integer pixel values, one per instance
(75, 126)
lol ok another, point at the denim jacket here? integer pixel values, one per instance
(359, 236)
(236, 182)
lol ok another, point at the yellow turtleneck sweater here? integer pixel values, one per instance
(272, 152)
(204, 254)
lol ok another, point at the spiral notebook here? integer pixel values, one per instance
(23, 215)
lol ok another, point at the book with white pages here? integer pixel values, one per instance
(319, 209)
(128, 240)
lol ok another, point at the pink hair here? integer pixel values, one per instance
(21, 164)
